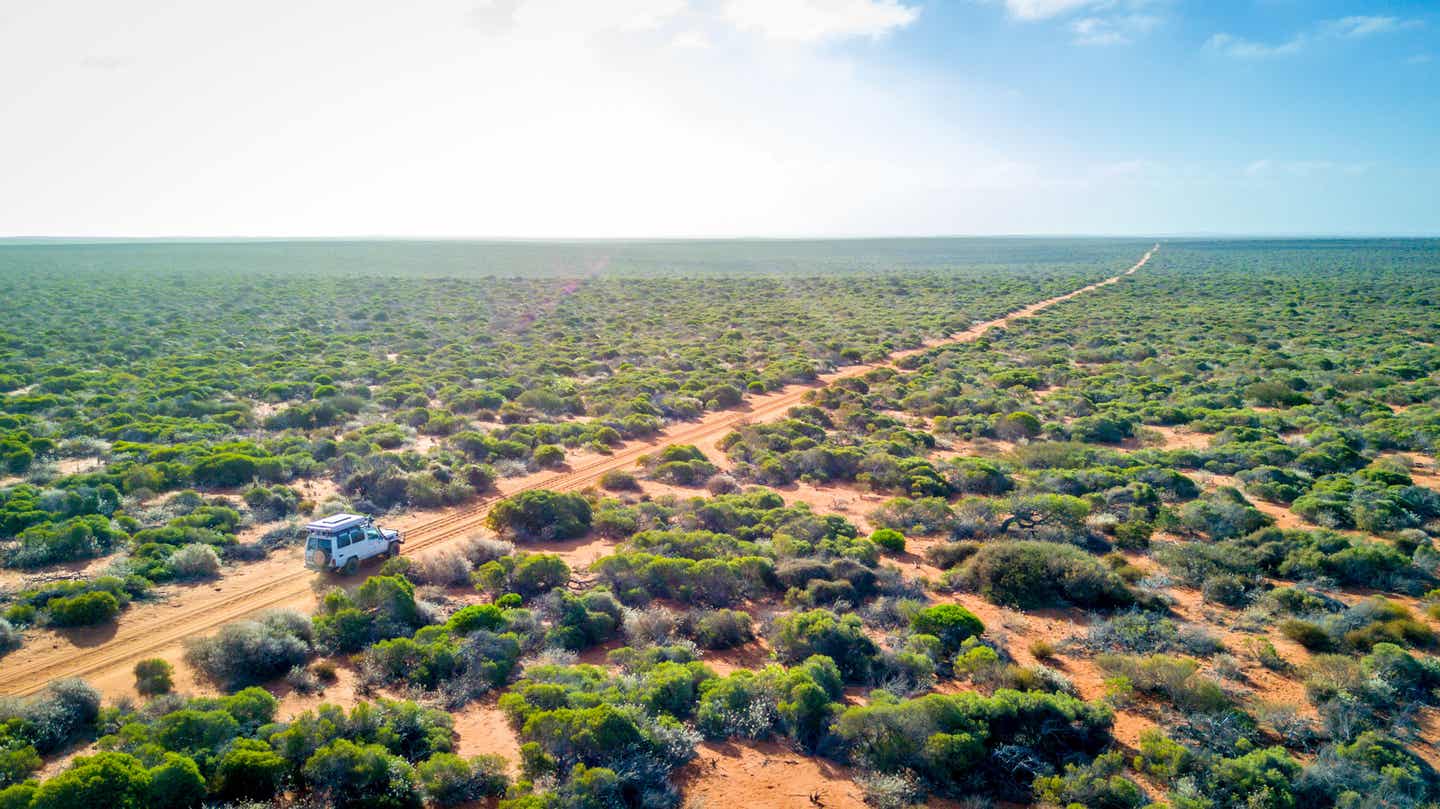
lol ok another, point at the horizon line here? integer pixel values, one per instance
(1196, 235)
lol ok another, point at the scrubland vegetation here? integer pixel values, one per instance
(1169, 542)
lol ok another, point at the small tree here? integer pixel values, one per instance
(249, 770)
(449, 779)
(110, 780)
(351, 776)
(176, 783)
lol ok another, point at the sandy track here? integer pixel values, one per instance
(147, 630)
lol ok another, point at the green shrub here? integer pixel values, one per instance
(1227, 589)
(194, 562)
(1160, 757)
(352, 776)
(889, 539)
(176, 783)
(549, 456)
(111, 780)
(1177, 679)
(721, 629)
(951, 623)
(95, 607)
(1030, 575)
(153, 676)
(448, 779)
(801, 635)
(251, 652)
(224, 470)
(617, 480)
(952, 740)
(1097, 785)
(540, 514)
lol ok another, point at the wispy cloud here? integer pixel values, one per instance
(1421, 59)
(1357, 27)
(814, 20)
(1045, 9)
(1102, 22)
(1360, 26)
(1242, 48)
(1264, 168)
(1120, 29)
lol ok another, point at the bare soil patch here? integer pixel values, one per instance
(765, 773)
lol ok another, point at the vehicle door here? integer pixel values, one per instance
(346, 545)
(374, 540)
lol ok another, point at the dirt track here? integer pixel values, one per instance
(158, 629)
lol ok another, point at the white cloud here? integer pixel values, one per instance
(1258, 168)
(1104, 22)
(1120, 29)
(1343, 28)
(1361, 26)
(813, 20)
(1045, 9)
(1241, 48)
(1304, 169)
(690, 40)
(559, 17)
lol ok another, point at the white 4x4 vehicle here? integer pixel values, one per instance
(342, 541)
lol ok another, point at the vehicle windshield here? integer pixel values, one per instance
(318, 543)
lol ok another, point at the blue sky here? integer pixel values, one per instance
(634, 118)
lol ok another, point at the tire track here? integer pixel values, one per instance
(156, 628)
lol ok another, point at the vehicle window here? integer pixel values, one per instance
(343, 540)
(371, 532)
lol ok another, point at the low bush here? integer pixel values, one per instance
(1175, 678)
(448, 779)
(949, 554)
(154, 676)
(889, 540)
(1030, 575)
(527, 574)
(251, 652)
(540, 514)
(801, 635)
(799, 702)
(965, 743)
(479, 550)
(347, 775)
(10, 638)
(194, 562)
(1098, 784)
(720, 629)
(53, 717)
(650, 626)
(951, 623)
(617, 480)
(1227, 589)
(85, 609)
(446, 568)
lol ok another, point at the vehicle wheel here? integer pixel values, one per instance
(351, 565)
(393, 551)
